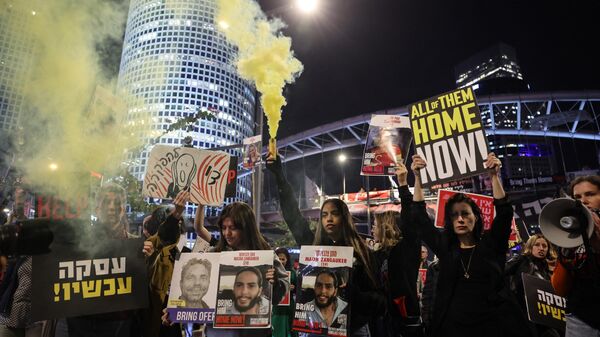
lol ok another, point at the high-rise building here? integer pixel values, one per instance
(496, 62)
(175, 62)
(16, 56)
(493, 71)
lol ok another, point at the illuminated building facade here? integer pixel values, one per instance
(175, 62)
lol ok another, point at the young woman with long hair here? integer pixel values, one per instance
(237, 224)
(397, 254)
(336, 228)
(533, 261)
(472, 298)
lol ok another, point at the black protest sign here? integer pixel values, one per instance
(543, 305)
(448, 133)
(71, 282)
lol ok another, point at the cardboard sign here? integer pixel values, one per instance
(193, 292)
(252, 147)
(485, 203)
(543, 305)
(449, 135)
(174, 169)
(324, 284)
(387, 145)
(71, 282)
(244, 295)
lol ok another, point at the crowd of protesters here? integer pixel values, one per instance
(470, 288)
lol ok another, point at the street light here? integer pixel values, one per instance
(307, 6)
(342, 159)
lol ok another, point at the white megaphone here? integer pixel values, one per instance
(563, 220)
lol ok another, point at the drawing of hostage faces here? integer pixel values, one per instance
(195, 280)
(247, 292)
(183, 170)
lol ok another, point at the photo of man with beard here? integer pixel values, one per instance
(328, 307)
(247, 292)
(194, 283)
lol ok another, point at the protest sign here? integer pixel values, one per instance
(71, 282)
(252, 147)
(323, 303)
(193, 290)
(244, 295)
(449, 135)
(387, 145)
(173, 169)
(485, 203)
(543, 305)
(285, 301)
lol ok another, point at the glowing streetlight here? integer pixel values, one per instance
(342, 159)
(306, 6)
(223, 24)
(53, 166)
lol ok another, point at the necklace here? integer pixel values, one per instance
(466, 270)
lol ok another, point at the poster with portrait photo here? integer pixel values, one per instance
(252, 148)
(244, 294)
(388, 142)
(193, 292)
(323, 291)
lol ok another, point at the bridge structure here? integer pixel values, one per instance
(572, 115)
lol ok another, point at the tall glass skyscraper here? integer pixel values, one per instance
(16, 56)
(174, 62)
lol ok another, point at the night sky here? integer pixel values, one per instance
(364, 55)
(361, 56)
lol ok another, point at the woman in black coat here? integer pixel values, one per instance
(472, 298)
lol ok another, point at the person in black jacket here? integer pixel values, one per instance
(336, 228)
(397, 253)
(472, 298)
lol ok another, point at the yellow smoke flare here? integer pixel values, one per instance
(69, 125)
(265, 56)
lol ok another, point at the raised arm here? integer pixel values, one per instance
(201, 231)
(408, 232)
(297, 224)
(419, 218)
(500, 231)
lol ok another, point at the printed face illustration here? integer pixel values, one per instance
(325, 290)
(183, 170)
(195, 280)
(246, 290)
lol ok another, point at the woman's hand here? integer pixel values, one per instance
(148, 248)
(180, 200)
(402, 174)
(165, 318)
(418, 164)
(271, 276)
(493, 164)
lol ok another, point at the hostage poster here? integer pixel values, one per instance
(204, 173)
(449, 134)
(193, 292)
(252, 147)
(244, 294)
(72, 282)
(323, 303)
(543, 305)
(387, 145)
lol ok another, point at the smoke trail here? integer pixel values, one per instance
(265, 56)
(70, 122)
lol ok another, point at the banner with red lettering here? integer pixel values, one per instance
(323, 291)
(244, 295)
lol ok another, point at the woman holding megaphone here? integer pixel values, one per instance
(472, 298)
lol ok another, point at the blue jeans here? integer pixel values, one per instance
(578, 328)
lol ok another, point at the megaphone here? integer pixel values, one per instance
(564, 220)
